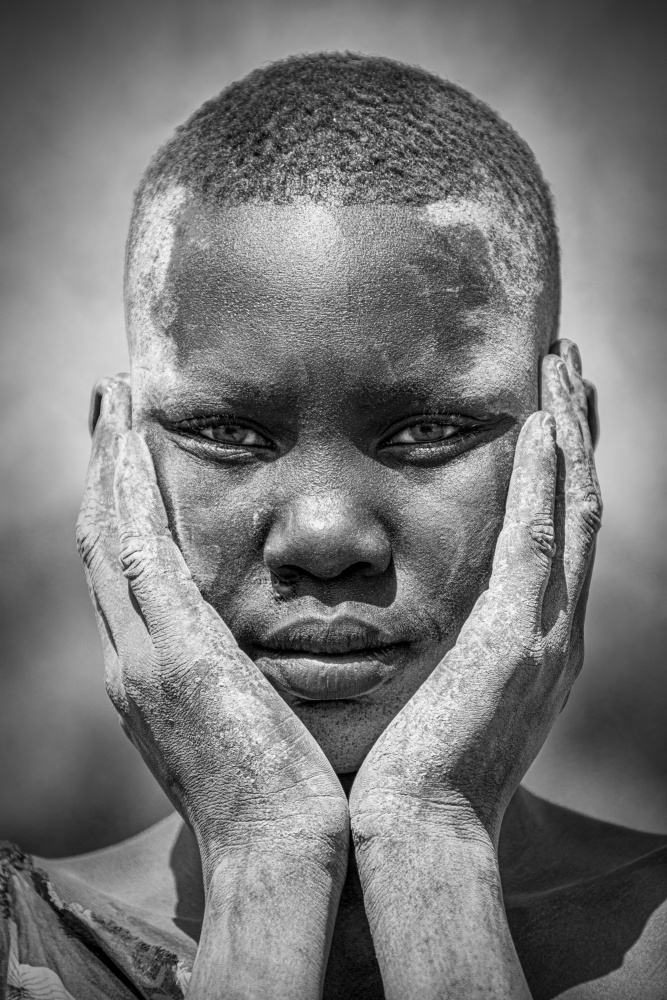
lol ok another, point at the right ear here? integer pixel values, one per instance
(96, 397)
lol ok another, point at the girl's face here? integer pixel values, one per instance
(332, 398)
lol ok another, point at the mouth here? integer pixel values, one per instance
(327, 659)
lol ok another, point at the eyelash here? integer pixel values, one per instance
(466, 427)
(462, 425)
(196, 424)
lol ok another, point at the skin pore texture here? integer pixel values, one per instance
(333, 413)
(325, 331)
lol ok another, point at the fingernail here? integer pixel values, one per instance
(564, 375)
(549, 424)
(118, 446)
(575, 357)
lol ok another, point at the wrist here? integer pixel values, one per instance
(318, 840)
(385, 815)
(268, 923)
(433, 897)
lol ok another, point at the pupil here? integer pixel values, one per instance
(229, 431)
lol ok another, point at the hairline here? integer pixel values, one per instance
(158, 217)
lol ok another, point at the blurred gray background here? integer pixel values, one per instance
(89, 90)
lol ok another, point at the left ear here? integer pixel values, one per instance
(593, 417)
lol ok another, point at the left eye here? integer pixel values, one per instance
(244, 437)
(424, 432)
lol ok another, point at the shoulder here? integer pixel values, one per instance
(52, 944)
(587, 904)
(157, 872)
(43, 951)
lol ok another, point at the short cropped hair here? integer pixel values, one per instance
(345, 129)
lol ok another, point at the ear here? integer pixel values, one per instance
(593, 417)
(96, 397)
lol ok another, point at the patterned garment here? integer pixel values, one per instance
(54, 950)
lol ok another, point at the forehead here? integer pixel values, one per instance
(398, 283)
(291, 252)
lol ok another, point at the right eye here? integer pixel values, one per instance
(226, 432)
(234, 434)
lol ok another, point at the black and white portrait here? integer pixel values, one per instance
(333, 572)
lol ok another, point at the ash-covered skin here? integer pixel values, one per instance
(327, 332)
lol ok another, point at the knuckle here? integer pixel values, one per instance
(85, 537)
(525, 649)
(88, 536)
(535, 536)
(530, 649)
(589, 511)
(135, 557)
(541, 531)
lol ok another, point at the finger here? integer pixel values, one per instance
(121, 628)
(584, 396)
(568, 352)
(96, 524)
(578, 622)
(113, 419)
(161, 582)
(583, 393)
(592, 405)
(198, 656)
(562, 392)
(97, 395)
(577, 507)
(525, 547)
(505, 627)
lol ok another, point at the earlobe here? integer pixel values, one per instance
(592, 405)
(96, 397)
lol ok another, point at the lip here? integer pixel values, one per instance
(326, 659)
(328, 636)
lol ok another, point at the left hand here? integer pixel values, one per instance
(457, 751)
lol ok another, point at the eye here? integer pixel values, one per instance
(424, 432)
(235, 434)
(224, 431)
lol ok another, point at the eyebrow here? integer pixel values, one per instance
(201, 396)
(234, 394)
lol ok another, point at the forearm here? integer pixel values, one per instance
(435, 908)
(267, 927)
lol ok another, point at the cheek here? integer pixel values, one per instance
(217, 518)
(443, 524)
(448, 532)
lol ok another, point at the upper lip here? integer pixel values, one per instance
(338, 635)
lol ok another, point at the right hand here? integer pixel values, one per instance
(234, 759)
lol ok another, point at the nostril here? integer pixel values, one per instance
(283, 588)
(334, 543)
(284, 581)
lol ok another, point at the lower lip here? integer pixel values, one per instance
(318, 677)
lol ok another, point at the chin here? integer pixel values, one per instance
(347, 729)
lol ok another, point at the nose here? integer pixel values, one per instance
(325, 537)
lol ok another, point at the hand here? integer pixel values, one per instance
(268, 812)
(458, 750)
(428, 801)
